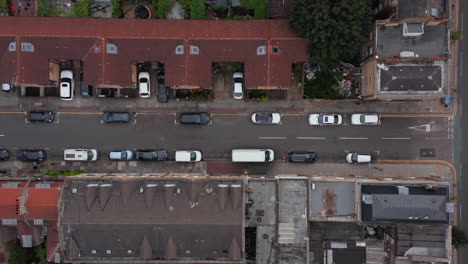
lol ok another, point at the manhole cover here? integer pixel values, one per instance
(427, 152)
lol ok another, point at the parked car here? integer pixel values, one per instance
(355, 157)
(266, 118)
(40, 116)
(188, 155)
(238, 85)
(123, 154)
(195, 118)
(151, 154)
(325, 119)
(302, 156)
(163, 90)
(67, 85)
(31, 155)
(80, 154)
(4, 154)
(365, 119)
(144, 85)
(111, 117)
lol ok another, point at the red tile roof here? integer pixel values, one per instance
(218, 40)
(42, 203)
(8, 60)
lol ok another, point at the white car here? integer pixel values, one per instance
(67, 85)
(80, 154)
(123, 154)
(266, 118)
(354, 157)
(365, 119)
(238, 85)
(144, 86)
(188, 156)
(325, 119)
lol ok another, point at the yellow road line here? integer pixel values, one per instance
(12, 112)
(417, 115)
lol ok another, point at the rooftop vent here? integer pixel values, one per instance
(142, 190)
(74, 190)
(413, 29)
(12, 46)
(111, 48)
(367, 198)
(402, 190)
(276, 49)
(38, 221)
(179, 50)
(108, 251)
(188, 251)
(43, 185)
(93, 251)
(129, 251)
(10, 185)
(194, 50)
(27, 47)
(261, 50)
(9, 221)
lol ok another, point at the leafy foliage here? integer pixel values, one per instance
(161, 7)
(259, 7)
(63, 173)
(81, 8)
(198, 10)
(117, 9)
(20, 255)
(44, 8)
(322, 87)
(459, 238)
(456, 35)
(3, 6)
(336, 28)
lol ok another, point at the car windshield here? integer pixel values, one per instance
(90, 155)
(67, 80)
(238, 80)
(354, 157)
(193, 156)
(362, 119)
(267, 155)
(124, 154)
(264, 117)
(143, 80)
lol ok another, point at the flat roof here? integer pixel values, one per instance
(421, 8)
(332, 199)
(412, 78)
(433, 43)
(152, 219)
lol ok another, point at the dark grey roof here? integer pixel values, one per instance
(421, 8)
(148, 220)
(433, 43)
(404, 207)
(411, 78)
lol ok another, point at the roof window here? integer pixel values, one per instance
(276, 49)
(261, 50)
(38, 221)
(93, 251)
(179, 50)
(12, 46)
(9, 221)
(74, 190)
(27, 47)
(129, 251)
(111, 48)
(188, 251)
(194, 50)
(108, 251)
(10, 185)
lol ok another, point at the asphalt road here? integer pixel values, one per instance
(395, 138)
(463, 114)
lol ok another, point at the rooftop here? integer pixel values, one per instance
(421, 8)
(412, 78)
(108, 48)
(332, 200)
(152, 219)
(432, 43)
(390, 203)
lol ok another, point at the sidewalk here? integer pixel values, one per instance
(10, 102)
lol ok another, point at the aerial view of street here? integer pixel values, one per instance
(243, 131)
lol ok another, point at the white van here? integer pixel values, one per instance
(252, 155)
(188, 156)
(80, 154)
(354, 157)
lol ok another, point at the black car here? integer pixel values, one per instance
(302, 156)
(110, 117)
(163, 90)
(31, 155)
(4, 154)
(40, 116)
(151, 154)
(195, 118)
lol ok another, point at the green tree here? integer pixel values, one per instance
(81, 8)
(259, 7)
(198, 10)
(336, 29)
(161, 7)
(3, 6)
(20, 255)
(117, 9)
(41, 254)
(44, 8)
(459, 238)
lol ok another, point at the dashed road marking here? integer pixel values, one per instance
(311, 138)
(272, 137)
(353, 138)
(396, 138)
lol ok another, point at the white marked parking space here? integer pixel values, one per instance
(272, 137)
(351, 138)
(313, 138)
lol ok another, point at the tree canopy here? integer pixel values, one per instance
(336, 29)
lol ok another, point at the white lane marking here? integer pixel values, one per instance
(425, 128)
(2, 135)
(311, 138)
(395, 138)
(271, 137)
(435, 138)
(461, 62)
(353, 138)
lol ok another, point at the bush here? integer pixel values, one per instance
(459, 238)
(44, 8)
(198, 10)
(259, 7)
(201, 95)
(322, 87)
(456, 35)
(117, 9)
(63, 173)
(20, 255)
(81, 8)
(161, 7)
(3, 6)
